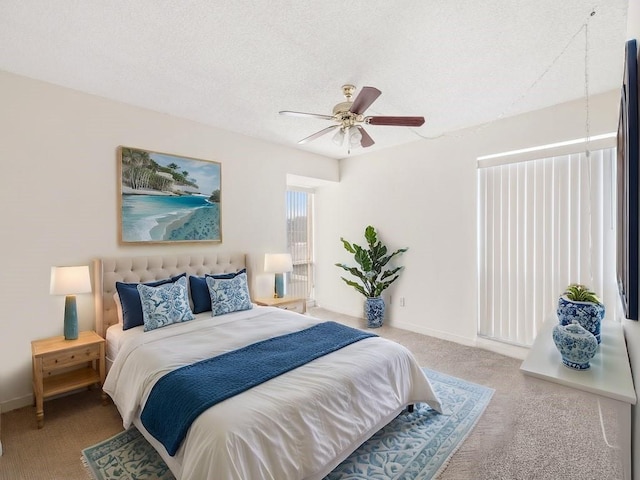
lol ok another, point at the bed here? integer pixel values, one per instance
(298, 425)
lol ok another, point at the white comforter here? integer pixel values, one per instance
(299, 425)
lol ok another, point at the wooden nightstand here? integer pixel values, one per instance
(52, 358)
(294, 304)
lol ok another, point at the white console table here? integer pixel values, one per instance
(609, 377)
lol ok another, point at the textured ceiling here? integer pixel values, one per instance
(234, 65)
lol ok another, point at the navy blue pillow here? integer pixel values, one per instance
(130, 300)
(200, 295)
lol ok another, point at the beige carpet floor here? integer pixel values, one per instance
(532, 429)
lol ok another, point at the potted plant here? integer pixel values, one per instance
(373, 273)
(580, 305)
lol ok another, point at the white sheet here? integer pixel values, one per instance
(116, 337)
(299, 425)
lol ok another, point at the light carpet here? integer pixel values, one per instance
(414, 446)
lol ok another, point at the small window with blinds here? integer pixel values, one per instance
(543, 224)
(300, 242)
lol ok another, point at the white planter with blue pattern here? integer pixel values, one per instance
(374, 311)
(576, 345)
(588, 314)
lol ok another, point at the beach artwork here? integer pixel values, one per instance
(167, 198)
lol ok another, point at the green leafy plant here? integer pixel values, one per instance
(373, 273)
(580, 293)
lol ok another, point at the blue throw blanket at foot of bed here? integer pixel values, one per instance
(180, 396)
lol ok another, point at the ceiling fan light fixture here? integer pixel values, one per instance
(355, 137)
(338, 138)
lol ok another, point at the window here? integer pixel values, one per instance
(543, 224)
(300, 242)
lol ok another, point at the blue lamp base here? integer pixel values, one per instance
(70, 318)
(281, 285)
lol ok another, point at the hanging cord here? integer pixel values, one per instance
(586, 82)
(587, 141)
(511, 106)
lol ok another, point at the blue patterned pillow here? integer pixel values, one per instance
(165, 304)
(130, 300)
(200, 291)
(228, 294)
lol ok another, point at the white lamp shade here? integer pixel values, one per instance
(70, 280)
(338, 138)
(278, 263)
(355, 137)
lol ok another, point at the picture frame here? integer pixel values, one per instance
(167, 198)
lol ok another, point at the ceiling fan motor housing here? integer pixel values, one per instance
(342, 107)
(342, 110)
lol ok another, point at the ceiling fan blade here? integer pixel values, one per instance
(365, 98)
(318, 134)
(396, 121)
(366, 140)
(309, 115)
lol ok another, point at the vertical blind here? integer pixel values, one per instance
(543, 224)
(299, 205)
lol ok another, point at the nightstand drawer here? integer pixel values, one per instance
(293, 304)
(70, 357)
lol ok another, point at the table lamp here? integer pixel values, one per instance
(69, 281)
(278, 263)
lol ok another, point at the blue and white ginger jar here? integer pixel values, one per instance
(588, 314)
(577, 346)
(374, 310)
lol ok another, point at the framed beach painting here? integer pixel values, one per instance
(167, 198)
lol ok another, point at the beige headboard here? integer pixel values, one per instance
(108, 271)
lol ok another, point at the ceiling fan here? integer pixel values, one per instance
(350, 117)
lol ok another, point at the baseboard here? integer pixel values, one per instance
(27, 401)
(359, 313)
(16, 403)
(431, 332)
(506, 349)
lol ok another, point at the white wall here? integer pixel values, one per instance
(59, 191)
(423, 196)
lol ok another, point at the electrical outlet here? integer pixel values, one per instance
(402, 301)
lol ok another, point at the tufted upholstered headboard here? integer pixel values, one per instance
(108, 271)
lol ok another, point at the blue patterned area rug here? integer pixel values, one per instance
(414, 446)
